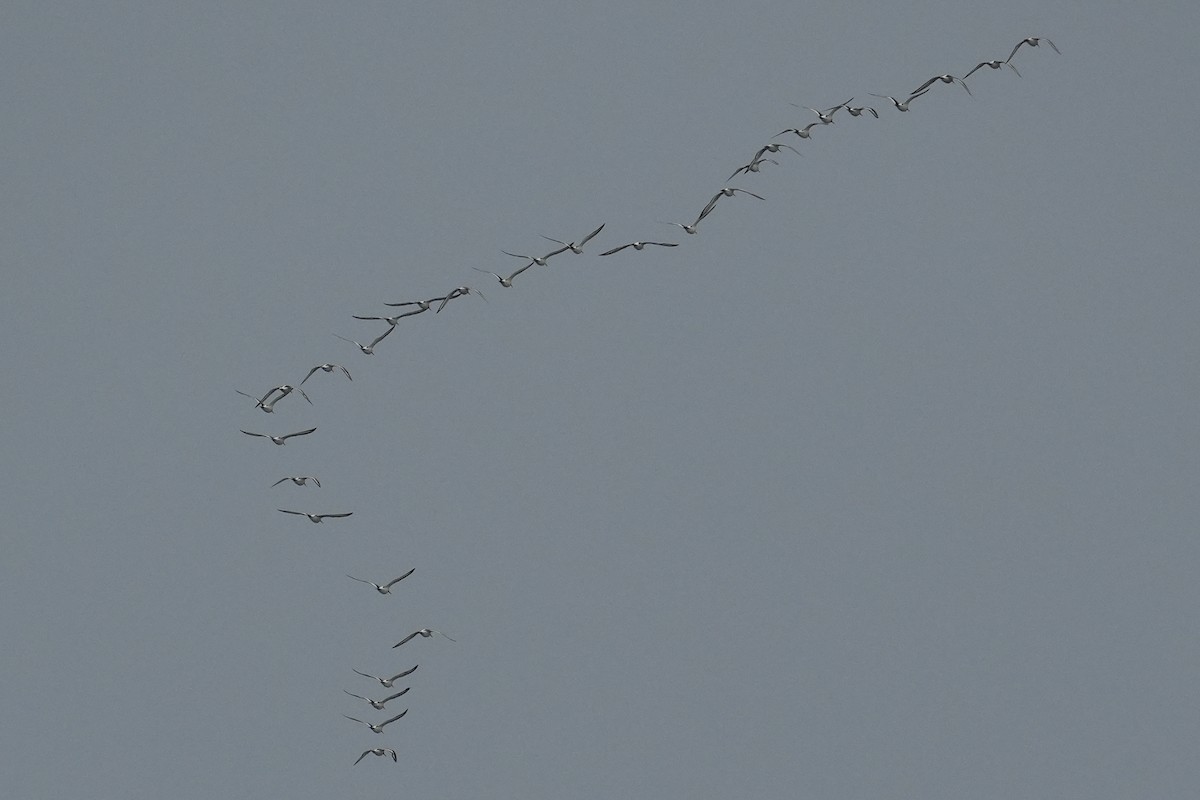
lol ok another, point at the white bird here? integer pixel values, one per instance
(279, 439)
(389, 320)
(857, 112)
(387, 587)
(316, 517)
(690, 228)
(899, 106)
(947, 78)
(377, 728)
(299, 480)
(368, 349)
(378, 704)
(459, 292)
(1032, 41)
(539, 260)
(994, 64)
(267, 403)
(639, 246)
(753, 166)
(803, 133)
(387, 683)
(825, 116)
(507, 282)
(424, 633)
(377, 751)
(575, 247)
(727, 191)
(422, 305)
(327, 367)
(773, 147)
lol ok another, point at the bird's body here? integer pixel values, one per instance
(639, 246)
(387, 587)
(424, 632)
(574, 247)
(506, 282)
(947, 78)
(753, 166)
(857, 112)
(280, 439)
(826, 116)
(1032, 41)
(994, 64)
(369, 349)
(727, 191)
(378, 751)
(327, 367)
(899, 106)
(422, 305)
(316, 517)
(377, 728)
(803, 133)
(379, 704)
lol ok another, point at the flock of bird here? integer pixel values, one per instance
(268, 401)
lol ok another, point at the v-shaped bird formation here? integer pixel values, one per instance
(268, 401)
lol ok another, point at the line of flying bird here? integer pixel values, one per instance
(268, 400)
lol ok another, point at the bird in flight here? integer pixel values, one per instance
(377, 728)
(387, 587)
(774, 147)
(857, 112)
(326, 368)
(574, 247)
(267, 403)
(753, 166)
(387, 683)
(316, 517)
(899, 106)
(947, 78)
(826, 116)
(639, 246)
(507, 282)
(422, 305)
(368, 349)
(690, 228)
(299, 480)
(280, 439)
(378, 704)
(994, 64)
(1032, 41)
(377, 751)
(424, 632)
(803, 133)
(459, 292)
(728, 191)
(541, 261)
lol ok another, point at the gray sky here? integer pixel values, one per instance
(884, 487)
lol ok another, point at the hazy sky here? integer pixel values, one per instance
(883, 487)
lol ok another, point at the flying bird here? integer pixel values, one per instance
(1032, 41)
(377, 728)
(899, 106)
(826, 116)
(267, 403)
(378, 704)
(377, 751)
(316, 517)
(994, 64)
(387, 683)
(507, 282)
(857, 112)
(727, 191)
(422, 305)
(753, 166)
(387, 587)
(539, 260)
(803, 133)
(774, 148)
(326, 368)
(456, 293)
(424, 633)
(639, 246)
(690, 228)
(368, 349)
(280, 439)
(947, 78)
(574, 247)
(299, 480)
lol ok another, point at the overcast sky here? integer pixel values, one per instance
(884, 486)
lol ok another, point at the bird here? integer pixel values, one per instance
(507, 282)
(368, 349)
(327, 367)
(377, 728)
(690, 228)
(857, 112)
(727, 191)
(260, 402)
(299, 480)
(389, 320)
(899, 106)
(378, 704)
(539, 260)
(316, 517)
(387, 683)
(639, 246)
(280, 439)
(1032, 41)
(803, 133)
(994, 64)
(459, 292)
(377, 751)
(424, 632)
(774, 148)
(947, 78)
(574, 247)
(422, 305)
(753, 166)
(825, 116)
(387, 587)
(284, 391)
